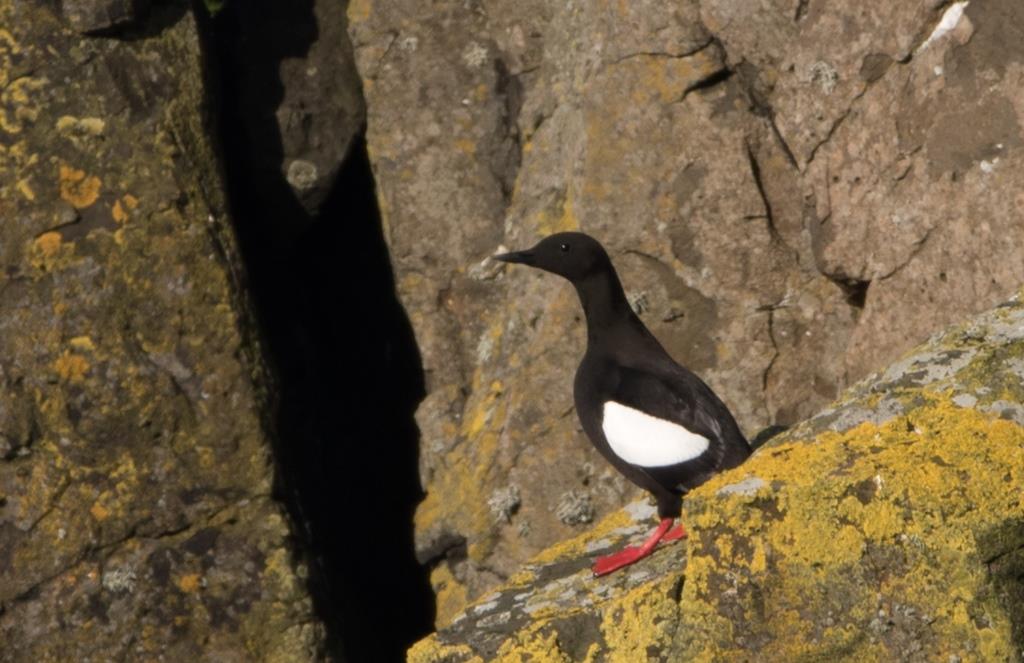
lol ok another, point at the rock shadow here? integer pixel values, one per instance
(347, 371)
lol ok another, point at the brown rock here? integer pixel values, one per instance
(297, 60)
(793, 197)
(97, 16)
(128, 370)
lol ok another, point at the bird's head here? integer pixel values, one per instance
(571, 255)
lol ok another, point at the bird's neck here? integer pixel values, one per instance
(605, 305)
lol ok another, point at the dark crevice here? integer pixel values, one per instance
(346, 372)
(801, 10)
(855, 290)
(714, 78)
(508, 152)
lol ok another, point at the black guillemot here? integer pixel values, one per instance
(653, 420)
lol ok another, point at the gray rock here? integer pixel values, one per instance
(799, 191)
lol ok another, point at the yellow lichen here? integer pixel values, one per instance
(188, 582)
(48, 244)
(71, 367)
(640, 619)
(536, 643)
(99, 512)
(430, 650)
(118, 213)
(451, 595)
(786, 565)
(77, 188)
(923, 487)
(26, 189)
(359, 11)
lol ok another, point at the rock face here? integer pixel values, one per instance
(296, 77)
(128, 378)
(888, 527)
(794, 194)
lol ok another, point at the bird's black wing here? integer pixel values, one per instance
(681, 397)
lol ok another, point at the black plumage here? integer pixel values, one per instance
(625, 365)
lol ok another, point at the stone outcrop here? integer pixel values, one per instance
(890, 526)
(129, 378)
(295, 76)
(794, 194)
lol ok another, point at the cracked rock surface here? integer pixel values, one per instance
(794, 194)
(128, 377)
(890, 526)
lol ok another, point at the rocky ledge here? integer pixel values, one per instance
(888, 527)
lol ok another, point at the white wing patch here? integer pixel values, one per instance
(638, 438)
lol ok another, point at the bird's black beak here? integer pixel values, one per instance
(522, 257)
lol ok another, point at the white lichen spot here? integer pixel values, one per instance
(640, 510)
(949, 21)
(965, 400)
(879, 482)
(484, 348)
(747, 487)
(302, 174)
(487, 269)
(574, 508)
(504, 502)
(485, 607)
(409, 44)
(119, 580)
(474, 55)
(638, 301)
(988, 166)
(823, 75)
(600, 544)
(938, 70)
(62, 534)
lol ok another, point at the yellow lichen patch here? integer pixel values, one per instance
(71, 367)
(566, 221)
(466, 146)
(17, 107)
(641, 619)
(77, 188)
(48, 244)
(577, 546)
(536, 643)
(93, 126)
(451, 595)
(118, 213)
(99, 512)
(188, 582)
(359, 10)
(458, 497)
(26, 189)
(83, 343)
(431, 650)
(906, 523)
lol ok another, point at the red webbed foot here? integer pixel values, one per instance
(630, 554)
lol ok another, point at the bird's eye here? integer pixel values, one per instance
(564, 247)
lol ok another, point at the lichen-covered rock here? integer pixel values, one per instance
(128, 378)
(888, 527)
(96, 16)
(794, 193)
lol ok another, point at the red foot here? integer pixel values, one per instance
(676, 533)
(626, 556)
